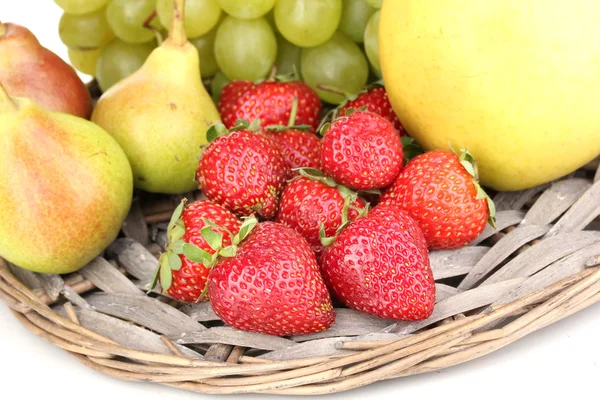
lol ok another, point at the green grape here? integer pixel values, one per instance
(85, 32)
(372, 42)
(337, 63)
(206, 49)
(127, 18)
(200, 15)
(288, 57)
(245, 49)
(85, 61)
(308, 23)
(246, 9)
(79, 7)
(119, 60)
(375, 3)
(217, 85)
(355, 15)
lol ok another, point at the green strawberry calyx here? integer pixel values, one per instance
(291, 122)
(170, 260)
(410, 148)
(470, 164)
(219, 130)
(350, 196)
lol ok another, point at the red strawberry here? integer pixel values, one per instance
(311, 201)
(300, 149)
(375, 100)
(271, 102)
(271, 285)
(243, 171)
(181, 278)
(362, 151)
(379, 264)
(440, 191)
(230, 95)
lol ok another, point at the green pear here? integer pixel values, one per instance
(65, 191)
(160, 114)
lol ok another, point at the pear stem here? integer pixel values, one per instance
(177, 33)
(6, 103)
(2, 29)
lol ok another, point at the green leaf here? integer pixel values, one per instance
(216, 131)
(375, 192)
(324, 129)
(247, 226)
(176, 214)
(254, 126)
(293, 112)
(492, 210)
(154, 279)
(350, 111)
(196, 254)
(325, 241)
(166, 277)
(177, 246)
(176, 233)
(228, 251)
(316, 175)
(174, 261)
(410, 148)
(469, 167)
(214, 239)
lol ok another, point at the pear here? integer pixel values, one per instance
(27, 69)
(65, 191)
(160, 114)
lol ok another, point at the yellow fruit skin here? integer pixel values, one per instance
(160, 115)
(65, 191)
(517, 82)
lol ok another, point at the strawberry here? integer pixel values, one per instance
(271, 102)
(242, 170)
(440, 190)
(181, 278)
(379, 264)
(300, 147)
(362, 151)
(271, 284)
(374, 99)
(316, 207)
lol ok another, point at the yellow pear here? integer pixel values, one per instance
(65, 187)
(160, 114)
(516, 82)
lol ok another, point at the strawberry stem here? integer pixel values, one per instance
(7, 104)
(294, 112)
(273, 73)
(177, 33)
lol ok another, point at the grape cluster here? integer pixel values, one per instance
(326, 42)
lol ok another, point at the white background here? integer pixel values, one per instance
(561, 361)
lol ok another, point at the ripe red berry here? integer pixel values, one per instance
(379, 264)
(244, 171)
(271, 103)
(186, 280)
(375, 100)
(272, 285)
(444, 197)
(300, 149)
(306, 204)
(362, 151)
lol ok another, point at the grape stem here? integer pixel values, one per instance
(333, 90)
(177, 33)
(2, 29)
(6, 103)
(148, 21)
